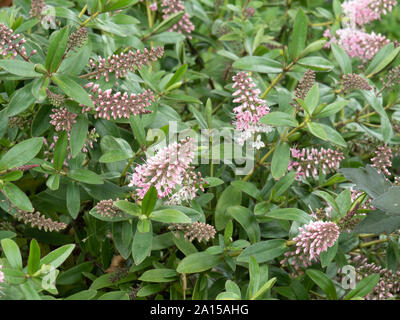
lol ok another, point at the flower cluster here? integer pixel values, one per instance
(184, 26)
(168, 170)
(392, 78)
(106, 209)
(78, 38)
(383, 159)
(361, 12)
(313, 239)
(18, 122)
(62, 119)
(56, 100)
(37, 7)
(250, 110)
(10, 43)
(124, 62)
(305, 84)
(196, 230)
(354, 81)
(108, 105)
(388, 285)
(36, 219)
(309, 161)
(357, 43)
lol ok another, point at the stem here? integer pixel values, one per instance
(371, 243)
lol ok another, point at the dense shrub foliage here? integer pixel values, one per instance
(198, 149)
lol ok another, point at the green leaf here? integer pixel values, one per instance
(122, 236)
(327, 256)
(141, 247)
(367, 179)
(178, 75)
(34, 257)
(268, 285)
(280, 160)
(57, 47)
(128, 207)
(247, 220)
(12, 176)
(21, 153)
(13, 255)
(312, 98)
(213, 182)
(149, 201)
(53, 182)
(85, 176)
(58, 256)
(322, 281)
(168, 23)
(382, 59)
(60, 150)
(342, 58)
(227, 296)
(114, 5)
(389, 201)
(169, 216)
(328, 198)
(263, 251)
(364, 287)
(316, 63)
(72, 89)
(283, 184)
(378, 222)
(317, 130)
(198, 262)
(312, 47)
(159, 275)
(138, 129)
(78, 135)
(299, 34)
(258, 64)
(279, 119)
(21, 100)
(230, 196)
(331, 109)
(289, 214)
(73, 199)
(247, 187)
(17, 197)
(83, 295)
(20, 68)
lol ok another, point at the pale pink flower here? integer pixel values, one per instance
(250, 110)
(313, 239)
(184, 26)
(358, 43)
(308, 162)
(11, 43)
(169, 170)
(153, 6)
(362, 12)
(124, 62)
(108, 105)
(62, 119)
(383, 159)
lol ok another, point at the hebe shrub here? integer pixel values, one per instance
(168, 149)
